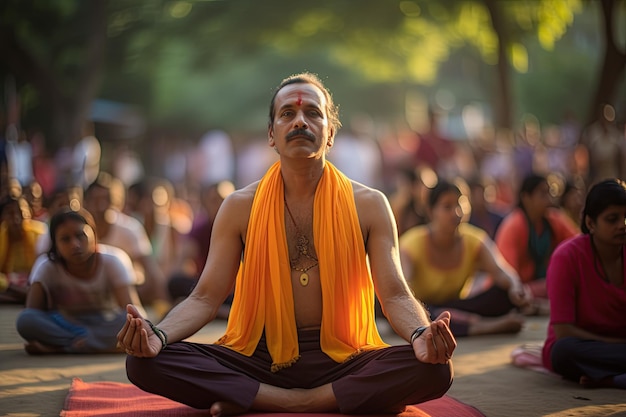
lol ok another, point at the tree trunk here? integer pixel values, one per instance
(613, 64)
(68, 112)
(90, 78)
(502, 94)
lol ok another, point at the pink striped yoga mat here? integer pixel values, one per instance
(115, 399)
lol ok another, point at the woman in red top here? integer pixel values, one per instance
(586, 286)
(530, 233)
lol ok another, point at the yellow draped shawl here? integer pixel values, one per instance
(263, 297)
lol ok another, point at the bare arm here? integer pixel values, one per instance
(36, 297)
(404, 312)
(503, 274)
(215, 284)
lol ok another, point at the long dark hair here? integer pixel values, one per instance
(602, 195)
(62, 216)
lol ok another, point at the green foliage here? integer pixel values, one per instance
(202, 64)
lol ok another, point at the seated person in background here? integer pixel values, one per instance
(571, 202)
(78, 293)
(407, 201)
(127, 233)
(194, 247)
(528, 235)
(18, 237)
(482, 216)
(33, 193)
(586, 281)
(440, 259)
(302, 336)
(149, 202)
(59, 199)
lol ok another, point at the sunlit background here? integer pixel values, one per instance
(160, 78)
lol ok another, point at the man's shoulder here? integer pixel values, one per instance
(239, 203)
(363, 193)
(243, 195)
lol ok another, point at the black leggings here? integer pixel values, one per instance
(573, 357)
(493, 302)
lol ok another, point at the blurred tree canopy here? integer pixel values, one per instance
(195, 65)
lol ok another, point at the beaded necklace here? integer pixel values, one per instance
(302, 244)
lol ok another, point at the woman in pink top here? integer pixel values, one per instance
(586, 286)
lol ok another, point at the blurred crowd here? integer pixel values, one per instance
(158, 208)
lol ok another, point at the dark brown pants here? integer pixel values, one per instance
(379, 381)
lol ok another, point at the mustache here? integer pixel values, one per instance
(301, 132)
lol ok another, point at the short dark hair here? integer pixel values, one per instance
(62, 216)
(332, 111)
(440, 189)
(606, 193)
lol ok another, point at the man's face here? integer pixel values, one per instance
(300, 127)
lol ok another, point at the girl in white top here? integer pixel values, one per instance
(78, 293)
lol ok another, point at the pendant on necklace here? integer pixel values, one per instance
(304, 279)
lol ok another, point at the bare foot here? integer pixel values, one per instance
(538, 307)
(221, 409)
(510, 323)
(37, 348)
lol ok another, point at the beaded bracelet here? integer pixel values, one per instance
(417, 333)
(160, 334)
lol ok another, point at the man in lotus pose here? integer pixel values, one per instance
(301, 335)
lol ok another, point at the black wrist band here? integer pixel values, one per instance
(160, 334)
(418, 332)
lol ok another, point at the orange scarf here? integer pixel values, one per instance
(263, 294)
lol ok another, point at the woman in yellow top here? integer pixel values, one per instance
(18, 235)
(440, 260)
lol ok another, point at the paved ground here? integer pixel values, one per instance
(33, 386)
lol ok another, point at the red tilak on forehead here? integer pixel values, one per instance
(299, 101)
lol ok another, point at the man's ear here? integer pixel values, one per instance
(331, 137)
(270, 137)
